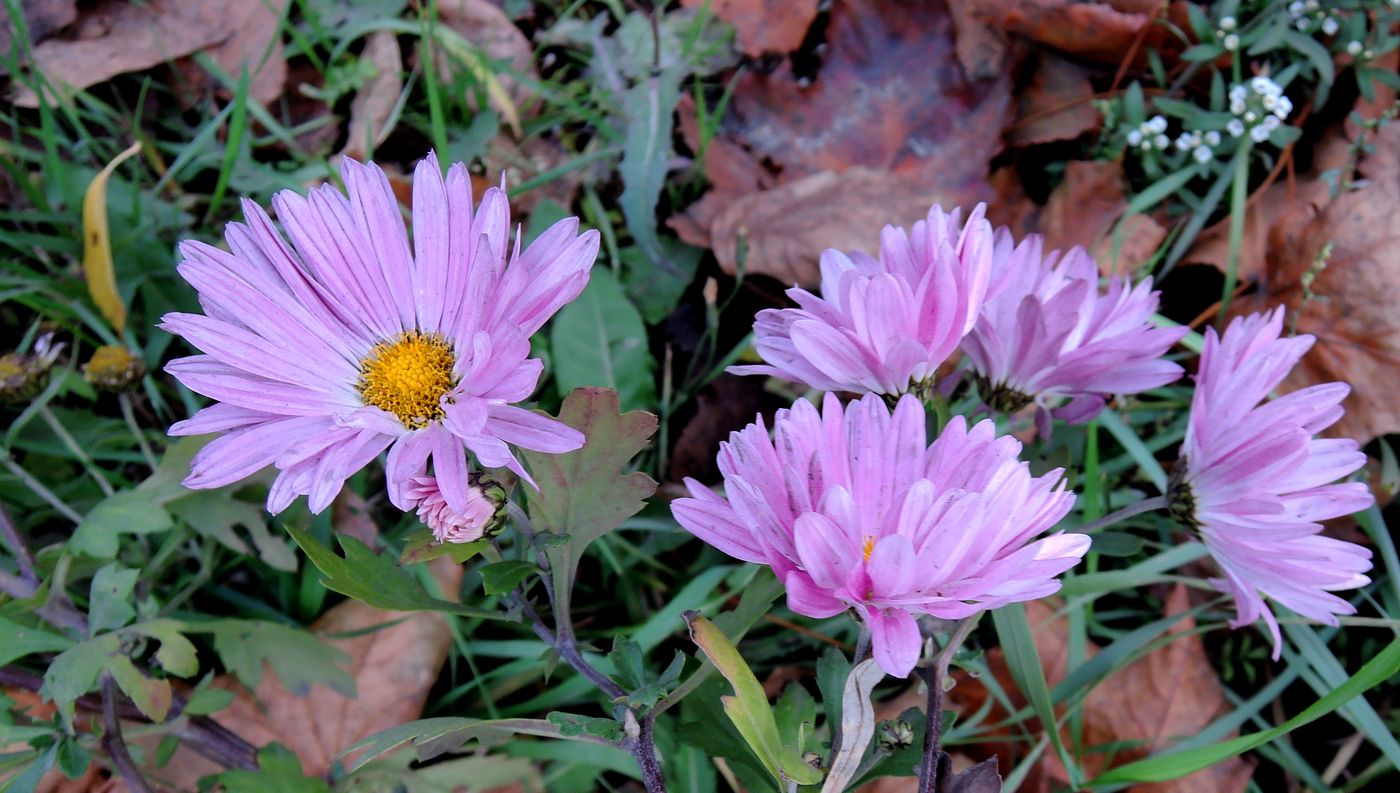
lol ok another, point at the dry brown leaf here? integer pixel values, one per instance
(375, 101)
(115, 38)
(1085, 209)
(256, 44)
(1352, 312)
(889, 111)
(393, 668)
(1171, 693)
(487, 27)
(786, 228)
(1100, 32)
(42, 18)
(1055, 105)
(764, 26)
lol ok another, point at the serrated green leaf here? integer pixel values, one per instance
(375, 579)
(279, 771)
(109, 599)
(216, 513)
(599, 340)
(17, 641)
(123, 512)
(585, 493)
(502, 577)
(298, 657)
(748, 708)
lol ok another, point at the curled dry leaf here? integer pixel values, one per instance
(1086, 209)
(764, 26)
(1102, 32)
(890, 112)
(374, 102)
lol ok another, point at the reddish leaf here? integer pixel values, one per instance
(1055, 105)
(1085, 209)
(764, 26)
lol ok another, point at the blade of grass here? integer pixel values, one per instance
(1014, 632)
(1134, 446)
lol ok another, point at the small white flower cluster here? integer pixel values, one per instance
(1150, 134)
(1229, 39)
(1200, 144)
(1259, 107)
(1307, 15)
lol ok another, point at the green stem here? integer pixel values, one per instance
(1239, 197)
(39, 490)
(75, 449)
(129, 415)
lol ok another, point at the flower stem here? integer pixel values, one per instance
(112, 740)
(75, 449)
(1146, 505)
(38, 488)
(934, 674)
(124, 399)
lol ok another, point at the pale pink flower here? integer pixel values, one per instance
(1050, 337)
(324, 352)
(852, 508)
(1254, 482)
(883, 325)
(481, 517)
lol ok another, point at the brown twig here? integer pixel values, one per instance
(112, 741)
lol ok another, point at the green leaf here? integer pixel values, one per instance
(17, 641)
(434, 737)
(28, 780)
(279, 771)
(502, 577)
(1174, 765)
(207, 699)
(1014, 632)
(297, 657)
(421, 546)
(375, 579)
(109, 599)
(77, 670)
(657, 290)
(216, 513)
(832, 670)
(572, 725)
(72, 758)
(599, 340)
(584, 493)
(123, 512)
(748, 708)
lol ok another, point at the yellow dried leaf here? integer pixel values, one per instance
(97, 245)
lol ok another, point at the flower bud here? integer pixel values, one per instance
(113, 369)
(895, 734)
(484, 515)
(24, 375)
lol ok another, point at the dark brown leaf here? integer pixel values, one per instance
(374, 102)
(1085, 209)
(1055, 105)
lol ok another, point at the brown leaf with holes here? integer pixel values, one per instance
(374, 102)
(888, 122)
(1351, 310)
(764, 26)
(1086, 208)
(1055, 105)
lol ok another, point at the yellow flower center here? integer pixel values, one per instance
(869, 546)
(408, 377)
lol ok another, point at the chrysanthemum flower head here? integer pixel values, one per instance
(852, 508)
(324, 351)
(23, 376)
(882, 325)
(484, 515)
(1049, 336)
(1254, 482)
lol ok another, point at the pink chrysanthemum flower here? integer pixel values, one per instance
(1254, 482)
(883, 326)
(1050, 337)
(325, 352)
(853, 509)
